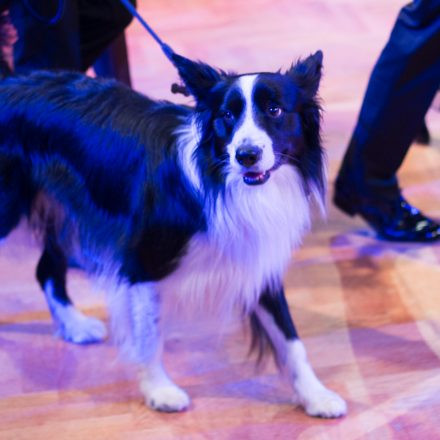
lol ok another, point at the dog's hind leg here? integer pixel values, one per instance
(273, 318)
(135, 312)
(70, 323)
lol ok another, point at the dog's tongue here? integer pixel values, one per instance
(252, 178)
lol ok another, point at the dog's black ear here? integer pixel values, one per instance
(199, 78)
(307, 73)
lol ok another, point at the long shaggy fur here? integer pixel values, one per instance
(171, 212)
(198, 206)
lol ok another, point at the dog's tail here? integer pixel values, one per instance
(5, 44)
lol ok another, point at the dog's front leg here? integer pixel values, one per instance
(274, 316)
(135, 314)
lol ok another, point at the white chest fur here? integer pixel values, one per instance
(251, 235)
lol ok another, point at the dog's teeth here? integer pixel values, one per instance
(252, 178)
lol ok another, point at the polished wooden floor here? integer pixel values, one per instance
(368, 310)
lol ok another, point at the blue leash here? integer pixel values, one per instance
(165, 48)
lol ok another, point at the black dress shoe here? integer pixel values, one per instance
(392, 220)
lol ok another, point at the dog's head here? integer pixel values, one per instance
(253, 124)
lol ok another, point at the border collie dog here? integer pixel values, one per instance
(201, 206)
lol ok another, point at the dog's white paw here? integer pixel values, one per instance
(324, 403)
(166, 398)
(80, 329)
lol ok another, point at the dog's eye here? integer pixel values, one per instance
(227, 115)
(274, 111)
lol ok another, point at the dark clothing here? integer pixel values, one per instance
(74, 42)
(401, 88)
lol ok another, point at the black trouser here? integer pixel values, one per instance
(399, 93)
(83, 32)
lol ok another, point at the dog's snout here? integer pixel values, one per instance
(248, 155)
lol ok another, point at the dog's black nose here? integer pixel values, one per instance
(248, 155)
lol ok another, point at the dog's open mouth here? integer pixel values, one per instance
(254, 178)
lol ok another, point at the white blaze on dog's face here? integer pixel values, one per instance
(250, 150)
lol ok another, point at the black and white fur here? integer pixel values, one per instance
(197, 206)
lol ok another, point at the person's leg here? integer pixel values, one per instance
(400, 91)
(101, 22)
(113, 62)
(423, 137)
(41, 44)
